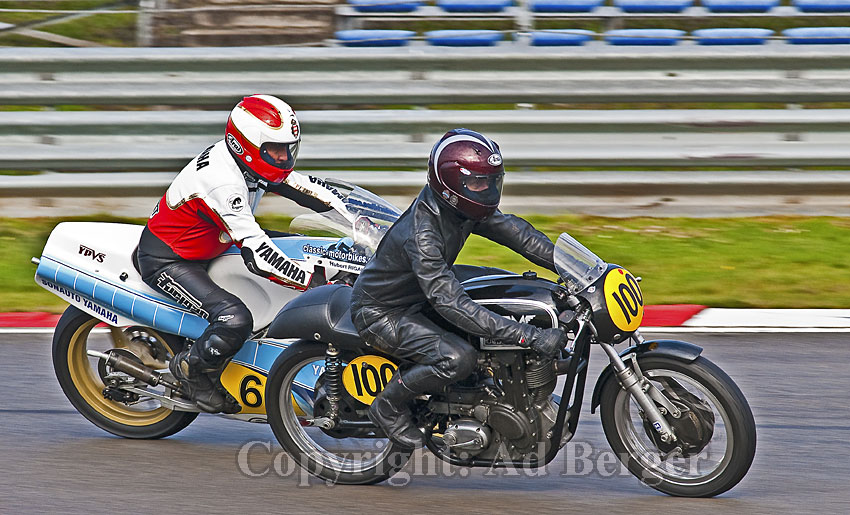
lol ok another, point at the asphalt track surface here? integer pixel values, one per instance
(56, 461)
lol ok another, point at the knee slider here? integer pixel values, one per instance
(215, 350)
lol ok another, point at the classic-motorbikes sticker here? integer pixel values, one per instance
(341, 259)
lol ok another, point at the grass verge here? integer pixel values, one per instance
(770, 262)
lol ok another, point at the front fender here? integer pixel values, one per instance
(683, 351)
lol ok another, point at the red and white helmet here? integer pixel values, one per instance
(264, 135)
(466, 171)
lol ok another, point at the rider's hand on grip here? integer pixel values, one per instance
(548, 342)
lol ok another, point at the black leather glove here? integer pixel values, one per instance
(548, 342)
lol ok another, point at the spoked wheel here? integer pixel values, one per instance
(295, 402)
(84, 379)
(716, 432)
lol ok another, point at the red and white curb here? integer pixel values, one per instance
(675, 318)
(689, 318)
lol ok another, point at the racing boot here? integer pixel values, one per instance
(391, 413)
(198, 381)
(231, 405)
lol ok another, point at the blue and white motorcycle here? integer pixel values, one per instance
(112, 345)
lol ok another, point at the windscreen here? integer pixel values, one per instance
(577, 266)
(365, 221)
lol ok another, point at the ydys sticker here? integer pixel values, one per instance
(90, 252)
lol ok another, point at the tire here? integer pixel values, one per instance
(729, 448)
(80, 380)
(307, 445)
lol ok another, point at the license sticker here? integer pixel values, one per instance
(366, 376)
(623, 299)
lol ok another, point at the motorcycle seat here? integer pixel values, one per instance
(321, 314)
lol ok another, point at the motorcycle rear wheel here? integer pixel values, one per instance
(82, 383)
(352, 460)
(726, 457)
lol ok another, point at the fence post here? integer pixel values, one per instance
(144, 23)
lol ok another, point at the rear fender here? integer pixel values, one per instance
(682, 351)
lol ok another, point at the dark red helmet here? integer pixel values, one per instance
(465, 171)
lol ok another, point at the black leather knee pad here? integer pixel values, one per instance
(229, 314)
(228, 330)
(458, 359)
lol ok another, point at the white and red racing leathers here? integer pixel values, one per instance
(210, 206)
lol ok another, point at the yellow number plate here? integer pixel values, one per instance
(366, 376)
(623, 299)
(248, 386)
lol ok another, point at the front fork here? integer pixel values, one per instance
(653, 403)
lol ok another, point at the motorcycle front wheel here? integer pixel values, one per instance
(81, 376)
(716, 449)
(294, 401)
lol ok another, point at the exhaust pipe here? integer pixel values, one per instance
(136, 370)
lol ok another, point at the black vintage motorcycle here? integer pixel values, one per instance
(675, 419)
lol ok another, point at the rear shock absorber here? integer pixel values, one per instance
(333, 381)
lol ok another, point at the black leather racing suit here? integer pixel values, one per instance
(412, 268)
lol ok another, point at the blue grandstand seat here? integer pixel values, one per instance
(385, 6)
(655, 37)
(474, 6)
(822, 6)
(375, 37)
(653, 6)
(739, 6)
(732, 36)
(561, 37)
(564, 6)
(818, 35)
(463, 37)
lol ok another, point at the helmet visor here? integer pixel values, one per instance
(483, 189)
(280, 155)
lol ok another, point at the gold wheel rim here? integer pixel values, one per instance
(90, 387)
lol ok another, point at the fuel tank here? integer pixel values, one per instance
(525, 298)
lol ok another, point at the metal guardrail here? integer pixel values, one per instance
(166, 140)
(420, 75)
(420, 59)
(363, 79)
(339, 90)
(538, 184)
(413, 121)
